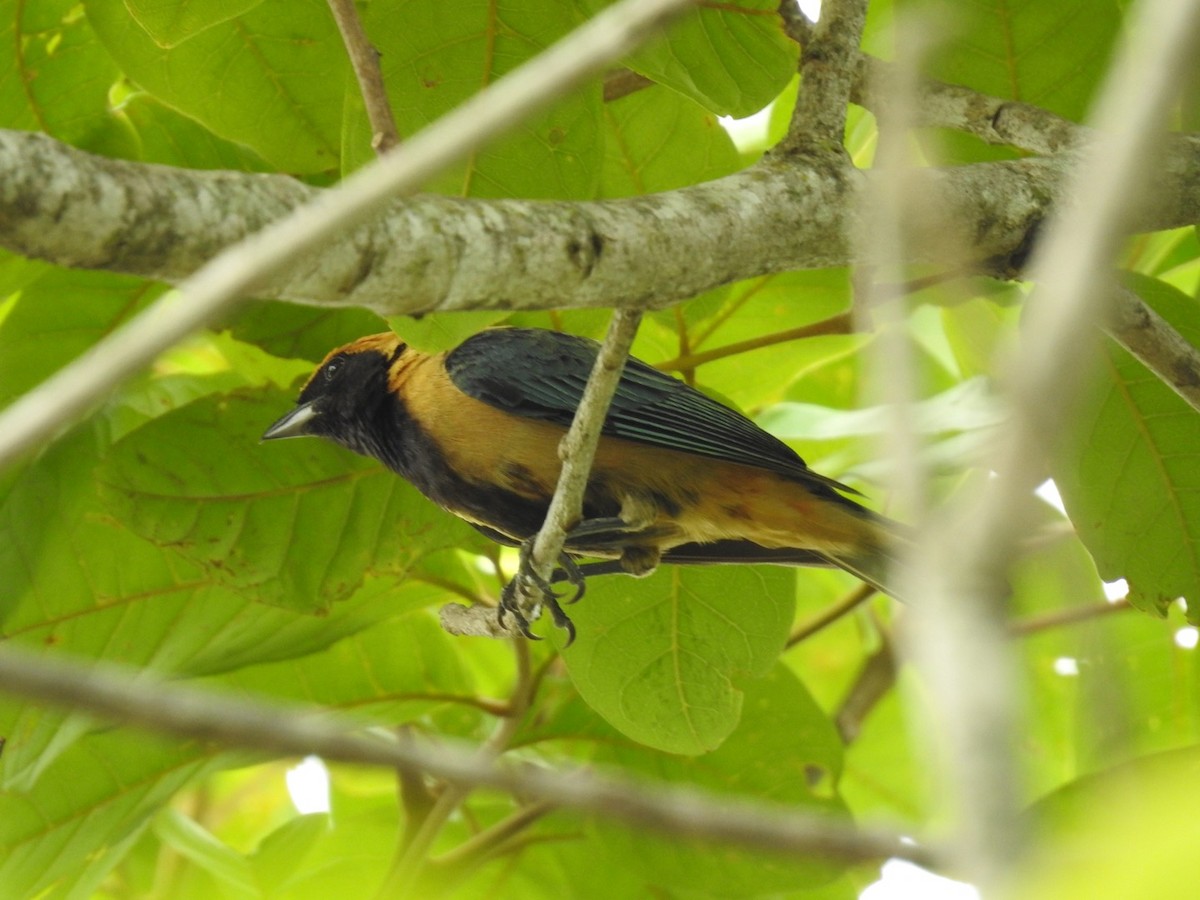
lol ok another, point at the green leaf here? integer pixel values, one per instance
(196, 843)
(273, 78)
(167, 137)
(282, 855)
(80, 582)
(731, 58)
(1129, 470)
(55, 76)
(93, 798)
(42, 333)
(170, 24)
(1016, 51)
(302, 332)
(785, 750)
(967, 406)
(442, 331)
(460, 48)
(659, 141)
(394, 672)
(296, 523)
(663, 658)
(1126, 833)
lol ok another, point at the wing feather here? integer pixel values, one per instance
(541, 375)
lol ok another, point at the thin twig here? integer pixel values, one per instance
(38, 416)
(416, 799)
(365, 60)
(480, 847)
(877, 677)
(169, 708)
(412, 851)
(842, 323)
(578, 448)
(1070, 616)
(856, 598)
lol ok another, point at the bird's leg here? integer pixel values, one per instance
(527, 582)
(631, 534)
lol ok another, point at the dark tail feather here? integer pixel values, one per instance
(725, 552)
(875, 565)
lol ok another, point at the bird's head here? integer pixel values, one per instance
(344, 396)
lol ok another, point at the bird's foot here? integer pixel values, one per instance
(529, 584)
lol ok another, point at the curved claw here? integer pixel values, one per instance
(574, 576)
(508, 604)
(549, 598)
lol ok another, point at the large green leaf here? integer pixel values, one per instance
(785, 749)
(732, 58)
(1129, 470)
(173, 23)
(1017, 51)
(271, 78)
(78, 581)
(297, 523)
(1122, 833)
(55, 75)
(664, 659)
(42, 333)
(435, 55)
(77, 822)
(659, 141)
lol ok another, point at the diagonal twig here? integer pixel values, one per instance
(364, 58)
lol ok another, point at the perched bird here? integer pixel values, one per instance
(677, 477)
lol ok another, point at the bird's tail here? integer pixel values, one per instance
(878, 560)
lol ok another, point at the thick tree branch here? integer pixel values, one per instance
(992, 119)
(442, 253)
(171, 709)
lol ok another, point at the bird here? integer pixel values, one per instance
(677, 478)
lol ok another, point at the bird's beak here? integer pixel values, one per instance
(294, 424)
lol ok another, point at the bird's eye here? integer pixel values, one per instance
(332, 368)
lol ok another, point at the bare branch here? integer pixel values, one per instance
(246, 268)
(827, 70)
(446, 253)
(843, 607)
(992, 119)
(169, 708)
(874, 681)
(365, 60)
